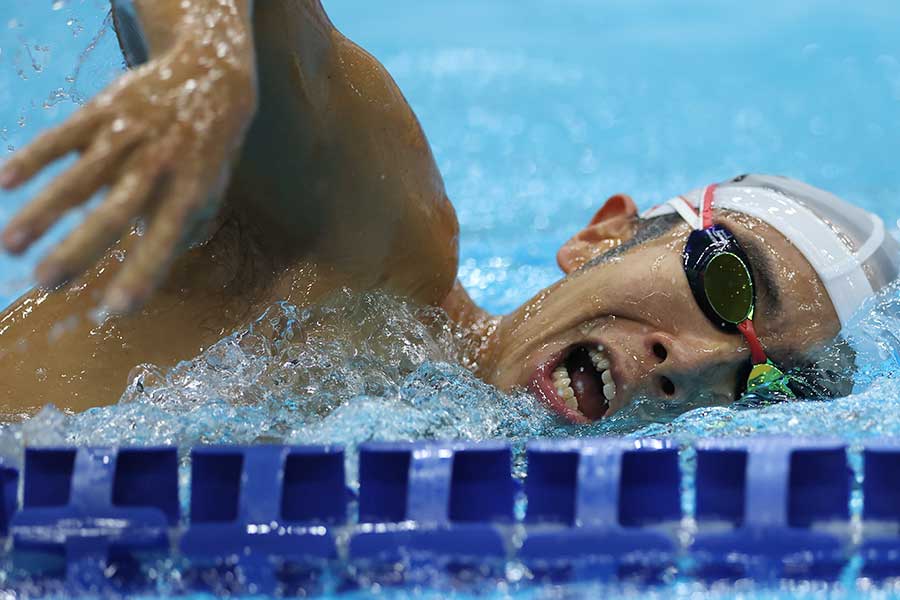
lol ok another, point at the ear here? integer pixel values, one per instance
(613, 225)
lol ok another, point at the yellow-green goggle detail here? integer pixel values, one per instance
(767, 376)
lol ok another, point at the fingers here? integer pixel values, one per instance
(48, 147)
(106, 224)
(149, 262)
(70, 189)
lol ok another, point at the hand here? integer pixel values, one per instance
(162, 139)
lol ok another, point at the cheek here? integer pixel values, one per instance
(809, 316)
(657, 294)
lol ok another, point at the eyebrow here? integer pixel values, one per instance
(764, 269)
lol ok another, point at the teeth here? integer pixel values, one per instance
(561, 376)
(562, 383)
(609, 390)
(600, 361)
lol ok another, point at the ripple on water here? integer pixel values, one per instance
(362, 367)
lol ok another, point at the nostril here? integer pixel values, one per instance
(660, 351)
(667, 386)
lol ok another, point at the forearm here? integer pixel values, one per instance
(222, 27)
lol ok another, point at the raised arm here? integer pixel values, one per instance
(335, 186)
(161, 138)
(336, 168)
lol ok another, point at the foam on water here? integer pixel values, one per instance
(298, 376)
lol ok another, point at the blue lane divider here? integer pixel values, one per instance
(433, 501)
(270, 515)
(593, 505)
(783, 505)
(89, 507)
(265, 509)
(881, 509)
(9, 488)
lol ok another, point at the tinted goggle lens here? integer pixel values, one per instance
(720, 280)
(729, 288)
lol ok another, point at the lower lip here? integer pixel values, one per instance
(542, 387)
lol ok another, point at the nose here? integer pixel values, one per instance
(681, 368)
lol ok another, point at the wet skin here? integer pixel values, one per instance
(291, 160)
(641, 309)
(335, 185)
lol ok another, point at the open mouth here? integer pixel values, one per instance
(578, 383)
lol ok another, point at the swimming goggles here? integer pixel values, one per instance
(721, 280)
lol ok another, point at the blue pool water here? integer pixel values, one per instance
(537, 111)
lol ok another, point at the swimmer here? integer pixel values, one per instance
(253, 154)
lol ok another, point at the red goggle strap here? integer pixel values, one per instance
(706, 206)
(698, 218)
(757, 354)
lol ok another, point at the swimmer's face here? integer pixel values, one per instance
(629, 327)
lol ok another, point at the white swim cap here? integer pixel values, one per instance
(847, 246)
